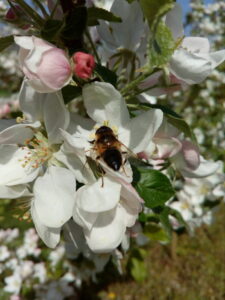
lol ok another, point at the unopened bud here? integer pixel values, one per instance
(84, 64)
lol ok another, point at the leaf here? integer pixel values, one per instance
(96, 13)
(153, 186)
(174, 119)
(182, 126)
(156, 233)
(51, 29)
(138, 269)
(155, 10)
(106, 74)
(71, 92)
(177, 215)
(6, 41)
(162, 46)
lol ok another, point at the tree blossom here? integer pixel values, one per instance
(104, 218)
(46, 66)
(192, 61)
(27, 155)
(84, 64)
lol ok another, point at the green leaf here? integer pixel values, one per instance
(51, 29)
(96, 13)
(174, 119)
(105, 74)
(154, 10)
(138, 269)
(176, 214)
(153, 186)
(182, 126)
(162, 46)
(6, 41)
(156, 233)
(71, 92)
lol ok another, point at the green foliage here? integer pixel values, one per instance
(155, 10)
(5, 42)
(96, 13)
(71, 92)
(156, 233)
(51, 29)
(137, 266)
(182, 125)
(106, 75)
(153, 186)
(161, 47)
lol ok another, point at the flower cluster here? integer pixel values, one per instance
(90, 152)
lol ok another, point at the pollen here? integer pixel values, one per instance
(39, 151)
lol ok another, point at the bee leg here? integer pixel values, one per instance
(92, 142)
(98, 157)
(124, 152)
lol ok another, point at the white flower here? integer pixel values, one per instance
(26, 153)
(13, 283)
(40, 272)
(4, 253)
(192, 61)
(104, 211)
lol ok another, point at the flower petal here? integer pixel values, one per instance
(56, 116)
(108, 231)
(206, 168)
(13, 192)
(174, 21)
(54, 196)
(102, 195)
(189, 67)
(50, 236)
(141, 129)
(104, 103)
(13, 169)
(18, 134)
(198, 45)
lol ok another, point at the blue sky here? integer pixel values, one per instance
(186, 4)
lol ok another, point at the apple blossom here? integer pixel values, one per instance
(27, 155)
(46, 66)
(192, 61)
(98, 213)
(84, 64)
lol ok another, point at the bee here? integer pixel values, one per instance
(109, 148)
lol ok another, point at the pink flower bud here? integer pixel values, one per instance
(11, 14)
(46, 66)
(84, 64)
(191, 154)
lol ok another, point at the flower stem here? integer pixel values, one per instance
(92, 46)
(133, 84)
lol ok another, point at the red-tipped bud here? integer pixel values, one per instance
(84, 64)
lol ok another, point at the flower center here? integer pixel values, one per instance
(39, 151)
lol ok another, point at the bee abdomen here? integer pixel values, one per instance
(113, 158)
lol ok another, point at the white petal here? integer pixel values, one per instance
(12, 171)
(50, 236)
(76, 162)
(174, 21)
(25, 42)
(104, 103)
(130, 13)
(167, 147)
(40, 86)
(100, 196)
(84, 218)
(206, 168)
(216, 58)
(31, 102)
(17, 134)
(55, 116)
(13, 192)
(198, 45)
(141, 130)
(189, 67)
(107, 232)
(55, 196)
